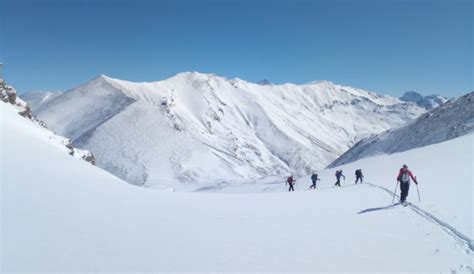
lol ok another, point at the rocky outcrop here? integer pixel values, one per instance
(89, 158)
(8, 95)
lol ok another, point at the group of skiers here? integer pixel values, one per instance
(403, 177)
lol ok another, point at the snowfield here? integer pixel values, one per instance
(62, 214)
(194, 128)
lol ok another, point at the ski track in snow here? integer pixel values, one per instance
(465, 242)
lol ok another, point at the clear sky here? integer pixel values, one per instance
(384, 46)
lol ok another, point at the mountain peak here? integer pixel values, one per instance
(194, 74)
(320, 82)
(264, 82)
(103, 77)
(426, 102)
(411, 96)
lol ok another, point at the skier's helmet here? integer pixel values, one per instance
(405, 166)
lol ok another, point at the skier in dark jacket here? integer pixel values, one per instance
(359, 176)
(291, 182)
(404, 178)
(314, 179)
(338, 177)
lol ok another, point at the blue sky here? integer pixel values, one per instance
(384, 46)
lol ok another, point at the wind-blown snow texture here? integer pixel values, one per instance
(200, 127)
(450, 120)
(62, 214)
(427, 102)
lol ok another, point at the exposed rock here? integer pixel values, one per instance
(70, 146)
(89, 158)
(27, 113)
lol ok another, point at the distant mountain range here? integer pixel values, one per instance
(196, 127)
(426, 102)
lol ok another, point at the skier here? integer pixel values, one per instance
(314, 179)
(291, 182)
(338, 177)
(404, 179)
(359, 176)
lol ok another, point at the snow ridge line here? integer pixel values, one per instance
(430, 217)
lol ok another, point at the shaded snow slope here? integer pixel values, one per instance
(198, 128)
(450, 120)
(61, 214)
(427, 102)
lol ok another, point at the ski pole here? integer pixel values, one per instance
(395, 193)
(418, 190)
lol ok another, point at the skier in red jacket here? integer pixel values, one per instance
(404, 178)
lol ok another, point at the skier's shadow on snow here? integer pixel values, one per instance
(377, 208)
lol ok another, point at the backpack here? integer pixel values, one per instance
(405, 178)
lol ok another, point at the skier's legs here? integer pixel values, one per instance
(402, 192)
(404, 187)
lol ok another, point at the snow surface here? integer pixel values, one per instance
(450, 120)
(63, 214)
(444, 171)
(195, 128)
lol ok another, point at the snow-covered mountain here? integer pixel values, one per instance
(197, 127)
(450, 120)
(38, 98)
(61, 214)
(264, 82)
(426, 102)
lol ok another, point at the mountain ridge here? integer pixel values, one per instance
(196, 127)
(445, 122)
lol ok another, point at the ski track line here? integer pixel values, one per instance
(465, 240)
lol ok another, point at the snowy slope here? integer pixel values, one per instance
(11, 101)
(427, 102)
(201, 127)
(450, 120)
(444, 171)
(61, 214)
